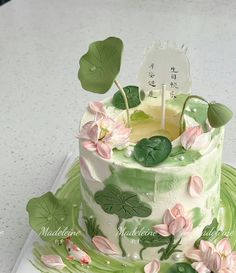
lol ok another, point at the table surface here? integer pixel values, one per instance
(42, 100)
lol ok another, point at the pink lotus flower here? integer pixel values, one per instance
(175, 222)
(103, 135)
(209, 258)
(195, 139)
(104, 245)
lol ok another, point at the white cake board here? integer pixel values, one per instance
(23, 264)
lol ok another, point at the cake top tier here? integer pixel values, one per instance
(156, 126)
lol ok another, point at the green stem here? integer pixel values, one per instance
(166, 251)
(125, 100)
(141, 252)
(182, 123)
(120, 238)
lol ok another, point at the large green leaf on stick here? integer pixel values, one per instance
(100, 65)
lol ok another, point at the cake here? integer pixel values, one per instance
(150, 188)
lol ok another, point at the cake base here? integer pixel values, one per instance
(101, 263)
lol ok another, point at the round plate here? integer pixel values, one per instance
(101, 263)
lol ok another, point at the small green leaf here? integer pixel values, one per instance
(92, 227)
(100, 65)
(208, 233)
(47, 214)
(154, 240)
(139, 115)
(132, 94)
(218, 114)
(152, 151)
(181, 268)
(124, 204)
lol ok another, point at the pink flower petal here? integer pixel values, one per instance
(168, 217)
(200, 267)
(84, 131)
(188, 225)
(152, 267)
(188, 137)
(224, 247)
(162, 229)
(177, 226)
(205, 245)
(215, 262)
(194, 254)
(104, 245)
(97, 107)
(53, 261)
(201, 142)
(177, 210)
(93, 133)
(195, 186)
(89, 145)
(104, 150)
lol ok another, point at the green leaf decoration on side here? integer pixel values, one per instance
(100, 65)
(152, 240)
(178, 152)
(181, 268)
(197, 216)
(124, 204)
(92, 227)
(139, 115)
(152, 151)
(208, 233)
(218, 114)
(47, 214)
(132, 94)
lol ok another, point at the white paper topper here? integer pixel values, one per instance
(167, 65)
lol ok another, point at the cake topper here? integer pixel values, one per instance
(165, 69)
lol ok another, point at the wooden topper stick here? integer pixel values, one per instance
(163, 107)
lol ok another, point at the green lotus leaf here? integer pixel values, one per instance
(132, 94)
(218, 114)
(47, 215)
(154, 240)
(181, 267)
(208, 233)
(152, 151)
(100, 65)
(124, 204)
(139, 115)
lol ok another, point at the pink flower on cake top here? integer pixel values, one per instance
(175, 222)
(217, 259)
(104, 134)
(194, 138)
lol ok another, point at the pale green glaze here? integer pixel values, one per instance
(197, 216)
(71, 191)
